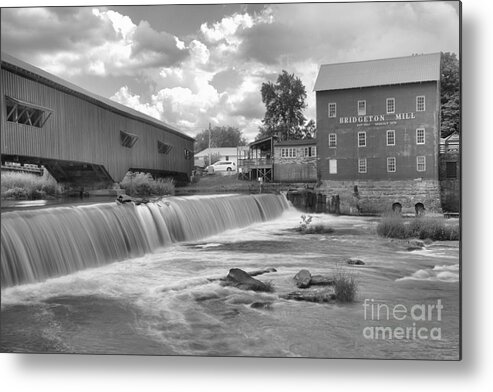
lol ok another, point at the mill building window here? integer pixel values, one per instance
(332, 110)
(420, 103)
(391, 138)
(333, 166)
(361, 108)
(390, 103)
(362, 165)
(332, 140)
(391, 165)
(421, 163)
(420, 136)
(361, 139)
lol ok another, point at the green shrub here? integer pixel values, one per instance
(345, 285)
(142, 184)
(15, 193)
(18, 185)
(392, 226)
(434, 228)
(437, 229)
(306, 226)
(318, 229)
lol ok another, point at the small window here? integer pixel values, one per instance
(361, 108)
(390, 105)
(332, 140)
(310, 151)
(362, 165)
(421, 163)
(451, 170)
(391, 166)
(391, 138)
(288, 152)
(128, 139)
(333, 166)
(420, 136)
(361, 139)
(188, 153)
(163, 148)
(26, 113)
(420, 103)
(332, 110)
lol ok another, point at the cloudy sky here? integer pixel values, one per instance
(189, 65)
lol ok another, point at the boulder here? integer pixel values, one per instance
(353, 261)
(320, 280)
(123, 199)
(261, 305)
(416, 243)
(303, 278)
(311, 296)
(260, 272)
(242, 280)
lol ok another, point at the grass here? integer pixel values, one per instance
(143, 184)
(316, 229)
(27, 186)
(436, 229)
(306, 226)
(345, 285)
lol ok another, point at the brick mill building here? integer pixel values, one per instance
(378, 134)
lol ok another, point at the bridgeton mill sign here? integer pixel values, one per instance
(377, 119)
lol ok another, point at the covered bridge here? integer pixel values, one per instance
(82, 138)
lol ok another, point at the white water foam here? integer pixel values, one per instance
(439, 273)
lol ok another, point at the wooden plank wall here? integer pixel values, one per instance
(82, 131)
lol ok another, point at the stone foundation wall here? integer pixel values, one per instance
(377, 197)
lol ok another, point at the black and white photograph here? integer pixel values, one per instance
(274, 180)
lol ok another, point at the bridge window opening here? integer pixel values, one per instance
(25, 113)
(163, 148)
(188, 153)
(128, 139)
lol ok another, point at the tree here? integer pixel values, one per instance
(449, 94)
(284, 102)
(220, 137)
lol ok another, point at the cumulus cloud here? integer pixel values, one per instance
(350, 31)
(215, 73)
(72, 41)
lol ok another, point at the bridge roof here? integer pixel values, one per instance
(22, 68)
(381, 72)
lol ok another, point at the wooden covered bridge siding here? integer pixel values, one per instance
(82, 130)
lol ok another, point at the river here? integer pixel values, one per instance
(167, 300)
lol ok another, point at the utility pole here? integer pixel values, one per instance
(210, 162)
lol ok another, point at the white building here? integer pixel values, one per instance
(218, 154)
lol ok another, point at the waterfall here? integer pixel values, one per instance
(43, 243)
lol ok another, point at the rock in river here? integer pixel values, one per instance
(242, 280)
(321, 280)
(353, 261)
(303, 279)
